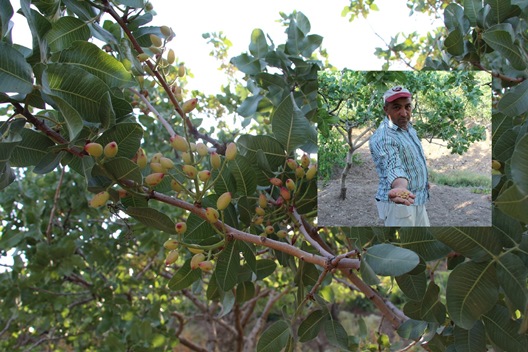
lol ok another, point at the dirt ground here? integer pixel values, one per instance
(448, 206)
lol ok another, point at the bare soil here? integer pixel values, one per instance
(447, 206)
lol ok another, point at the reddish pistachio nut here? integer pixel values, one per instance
(206, 265)
(282, 234)
(259, 211)
(195, 250)
(180, 227)
(262, 201)
(276, 181)
(258, 220)
(122, 193)
(215, 160)
(197, 259)
(263, 234)
(171, 244)
(189, 105)
(269, 229)
(204, 175)
(94, 149)
(149, 7)
(166, 163)
(312, 170)
(212, 215)
(186, 157)
(292, 164)
(153, 179)
(156, 158)
(190, 171)
(166, 31)
(285, 194)
(143, 57)
(171, 257)
(202, 149)
(156, 167)
(305, 160)
(181, 71)
(110, 150)
(231, 151)
(171, 57)
(155, 40)
(141, 158)
(223, 201)
(176, 186)
(99, 199)
(290, 184)
(179, 143)
(299, 172)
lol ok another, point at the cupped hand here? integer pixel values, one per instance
(401, 196)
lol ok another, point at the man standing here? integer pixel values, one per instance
(400, 163)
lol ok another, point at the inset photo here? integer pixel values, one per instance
(404, 148)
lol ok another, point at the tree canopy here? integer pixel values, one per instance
(132, 225)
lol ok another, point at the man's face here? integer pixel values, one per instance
(399, 112)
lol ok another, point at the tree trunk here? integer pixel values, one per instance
(344, 174)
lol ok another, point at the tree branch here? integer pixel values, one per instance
(160, 118)
(497, 74)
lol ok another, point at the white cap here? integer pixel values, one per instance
(396, 93)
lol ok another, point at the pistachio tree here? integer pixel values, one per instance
(132, 225)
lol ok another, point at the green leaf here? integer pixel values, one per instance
(290, 127)
(431, 309)
(6, 12)
(31, 149)
(15, 72)
(132, 3)
(454, 18)
(127, 135)
(476, 243)
(152, 218)
(227, 267)
(421, 241)
(503, 331)
(472, 290)
(413, 286)
(275, 337)
(412, 329)
(454, 43)
(73, 119)
(367, 274)
(247, 64)
(388, 260)
(48, 162)
(89, 57)
(501, 38)
(65, 31)
(513, 203)
(244, 292)
(271, 148)
(225, 182)
(512, 275)
(124, 169)
(258, 46)
(519, 166)
(336, 334)
(471, 10)
(7, 176)
(184, 277)
(80, 89)
(311, 325)
(470, 340)
(265, 267)
(500, 10)
(242, 171)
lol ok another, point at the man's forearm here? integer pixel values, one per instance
(400, 182)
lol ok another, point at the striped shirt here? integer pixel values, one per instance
(398, 153)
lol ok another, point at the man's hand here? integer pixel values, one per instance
(401, 196)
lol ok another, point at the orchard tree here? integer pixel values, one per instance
(132, 227)
(451, 106)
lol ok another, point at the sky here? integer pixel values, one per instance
(349, 44)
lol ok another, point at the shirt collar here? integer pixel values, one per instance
(393, 126)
